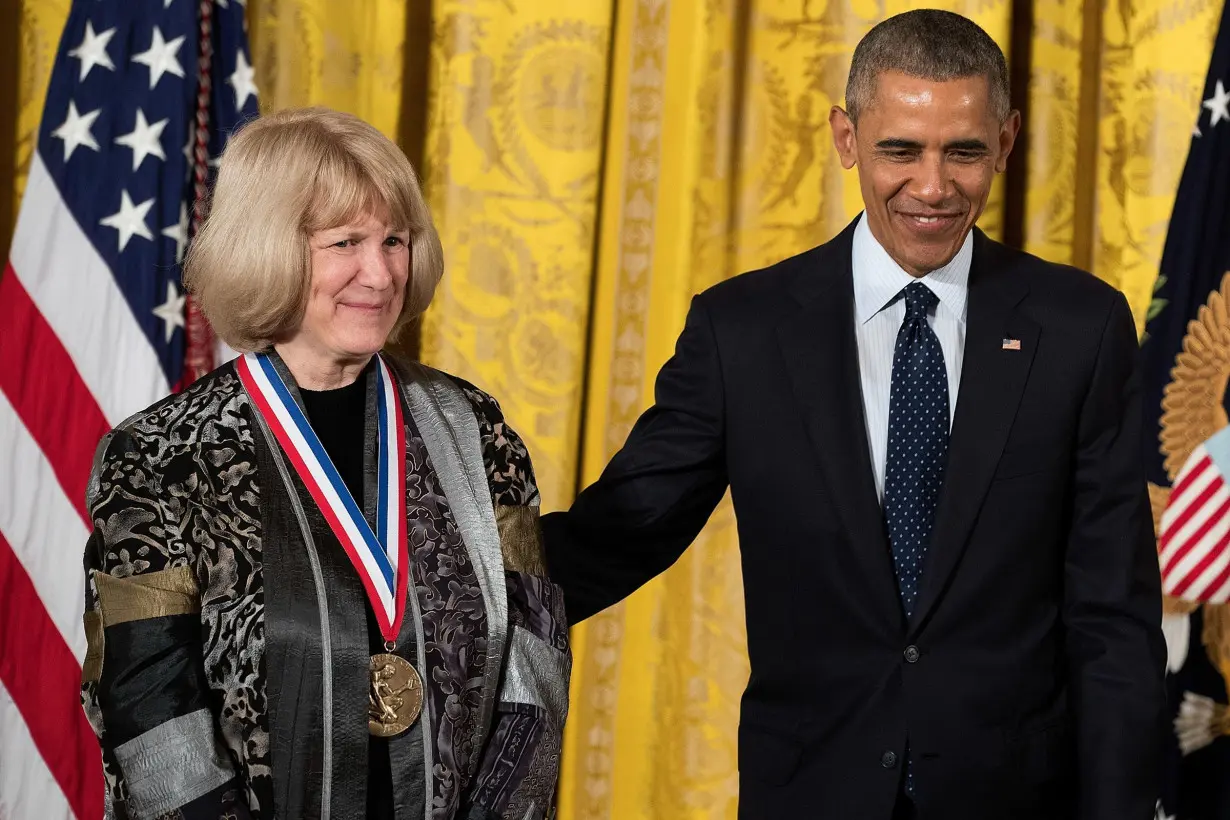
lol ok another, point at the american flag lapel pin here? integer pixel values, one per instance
(1012, 344)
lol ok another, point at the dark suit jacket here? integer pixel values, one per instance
(1029, 683)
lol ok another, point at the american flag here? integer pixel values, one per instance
(1194, 536)
(93, 327)
(1187, 453)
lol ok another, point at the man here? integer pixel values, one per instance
(931, 441)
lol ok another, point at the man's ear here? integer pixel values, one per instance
(843, 136)
(1007, 138)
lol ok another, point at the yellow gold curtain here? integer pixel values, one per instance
(347, 56)
(40, 24)
(1062, 105)
(1114, 93)
(1154, 58)
(514, 146)
(649, 673)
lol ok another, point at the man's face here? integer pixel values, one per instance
(926, 153)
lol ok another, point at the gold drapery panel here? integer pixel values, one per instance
(1114, 92)
(1055, 98)
(348, 56)
(650, 673)
(40, 26)
(1154, 58)
(514, 145)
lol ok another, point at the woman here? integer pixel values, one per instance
(315, 585)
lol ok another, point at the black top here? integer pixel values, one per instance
(338, 418)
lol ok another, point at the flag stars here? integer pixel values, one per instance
(1219, 104)
(189, 152)
(242, 79)
(93, 50)
(75, 130)
(144, 140)
(129, 220)
(179, 232)
(171, 312)
(162, 58)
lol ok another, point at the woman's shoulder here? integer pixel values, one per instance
(486, 409)
(509, 469)
(178, 422)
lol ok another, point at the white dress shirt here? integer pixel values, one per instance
(878, 314)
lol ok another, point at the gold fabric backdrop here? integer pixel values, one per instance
(592, 165)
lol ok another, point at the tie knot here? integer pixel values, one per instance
(919, 300)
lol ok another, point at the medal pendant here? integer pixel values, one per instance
(395, 696)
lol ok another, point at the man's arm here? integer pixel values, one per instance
(657, 492)
(1112, 599)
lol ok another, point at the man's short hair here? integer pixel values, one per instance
(932, 45)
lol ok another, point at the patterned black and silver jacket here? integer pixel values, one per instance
(227, 672)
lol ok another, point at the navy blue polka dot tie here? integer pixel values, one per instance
(917, 449)
(917, 441)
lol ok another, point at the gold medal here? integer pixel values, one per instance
(395, 696)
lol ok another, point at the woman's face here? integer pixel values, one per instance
(359, 275)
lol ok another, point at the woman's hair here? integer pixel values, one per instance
(282, 178)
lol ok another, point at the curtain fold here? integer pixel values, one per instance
(1113, 88)
(40, 25)
(1155, 54)
(346, 56)
(513, 152)
(652, 673)
(1058, 116)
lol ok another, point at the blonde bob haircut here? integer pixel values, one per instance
(282, 178)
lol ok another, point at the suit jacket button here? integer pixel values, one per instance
(888, 760)
(912, 654)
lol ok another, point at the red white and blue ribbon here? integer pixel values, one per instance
(380, 557)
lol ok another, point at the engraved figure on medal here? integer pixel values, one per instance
(395, 696)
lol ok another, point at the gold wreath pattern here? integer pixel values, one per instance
(1192, 404)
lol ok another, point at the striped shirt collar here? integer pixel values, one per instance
(878, 279)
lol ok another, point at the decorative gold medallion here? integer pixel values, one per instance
(395, 697)
(1193, 411)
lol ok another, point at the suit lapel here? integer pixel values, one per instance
(992, 381)
(821, 355)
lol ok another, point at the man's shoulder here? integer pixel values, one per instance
(1049, 282)
(771, 286)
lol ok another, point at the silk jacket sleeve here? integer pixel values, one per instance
(143, 682)
(519, 770)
